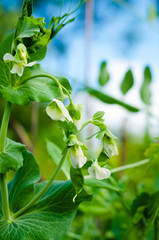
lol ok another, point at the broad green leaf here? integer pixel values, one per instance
(12, 157)
(26, 28)
(104, 75)
(50, 217)
(21, 188)
(27, 8)
(110, 100)
(94, 183)
(39, 89)
(77, 179)
(6, 77)
(55, 154)
(145, 93)
(127, 82)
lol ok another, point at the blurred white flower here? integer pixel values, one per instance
(57, 111)
(77, 157)
(98, 172)
(20, 60)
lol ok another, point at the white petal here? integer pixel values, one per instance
(63, 109)
(17, 68)
(98, 172)
(54, 112)
(29, 64)
(9, 57)
(77, 157)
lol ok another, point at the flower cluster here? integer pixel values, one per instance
(58, 112)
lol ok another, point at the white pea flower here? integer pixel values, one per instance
(20, 60)
(98, 172)
(57, 111)
(77, 157)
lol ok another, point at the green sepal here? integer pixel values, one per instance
(12, 156)
(74, 112)
(68, 128)
(72, 141)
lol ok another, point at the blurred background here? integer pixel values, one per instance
(110, 56)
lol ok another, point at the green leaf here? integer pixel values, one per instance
(27, 8)
(50, 217)
(5, 75)
(77, 179)
(127, 82)
(26, 28)
(94, 183)
(144, 210)
(104, 75)
(145, 93)
(55, 153)
(21, 188)
(12, 157)
(110, 100)
(39, 89)
(56, 24)
(153, 152)
(98, 116)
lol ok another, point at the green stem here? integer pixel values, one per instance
(84, 125)
(4, 194)
(54, 79)
(39, 195)
(137, 164)
(3, 180)
(4, 126)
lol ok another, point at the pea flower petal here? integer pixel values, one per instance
(57, 111)
(98, 172)
(77, 157)
(17, 68)
(20, 60)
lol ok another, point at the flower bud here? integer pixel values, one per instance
(57, 111)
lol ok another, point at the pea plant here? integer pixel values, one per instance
(32, 209)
